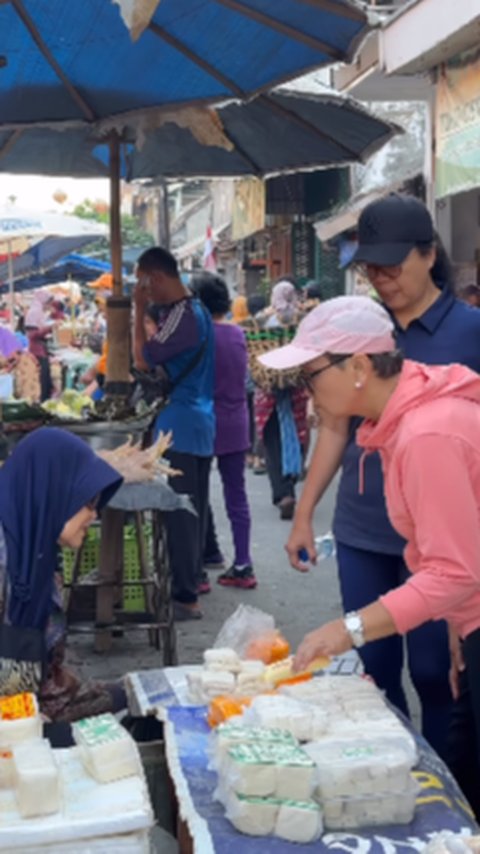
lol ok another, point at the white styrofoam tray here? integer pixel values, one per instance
(89, 809)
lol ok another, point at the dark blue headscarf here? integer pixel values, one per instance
(49, 477)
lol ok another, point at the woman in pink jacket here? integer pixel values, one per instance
(425, 422)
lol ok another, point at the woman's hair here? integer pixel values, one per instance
(256, 303)
(213, 292)
(385, 365)
(469, 291)
(441, 272)
(313, 291)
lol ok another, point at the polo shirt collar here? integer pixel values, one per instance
(432, 318)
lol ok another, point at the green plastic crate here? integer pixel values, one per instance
(133, 594)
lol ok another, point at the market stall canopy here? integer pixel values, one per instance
(79, 267)
(64, 64)
(273, 134)
(282, 132)
(61, 234)
(17, 222)
(43, 255)
(75, 62)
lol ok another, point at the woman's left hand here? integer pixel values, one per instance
(330, 639)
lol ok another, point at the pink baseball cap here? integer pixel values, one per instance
(341, 325)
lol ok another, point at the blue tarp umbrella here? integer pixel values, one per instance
(76, 61)
(67, 64)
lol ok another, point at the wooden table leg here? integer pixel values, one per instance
(110, 569)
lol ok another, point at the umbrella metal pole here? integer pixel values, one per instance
(118, 306)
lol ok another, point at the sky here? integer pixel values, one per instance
(34, 192)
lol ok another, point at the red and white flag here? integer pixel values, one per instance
(209, 257)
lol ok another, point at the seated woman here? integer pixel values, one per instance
(51, 489)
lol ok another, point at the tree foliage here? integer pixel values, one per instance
(132, 233)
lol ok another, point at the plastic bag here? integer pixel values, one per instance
(269, 647)
(451, 843)
(244, 626)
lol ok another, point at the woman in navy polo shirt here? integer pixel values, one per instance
(411, 275)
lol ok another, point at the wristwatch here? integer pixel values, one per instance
(354, 626)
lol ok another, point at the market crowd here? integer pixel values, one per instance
(387, 387)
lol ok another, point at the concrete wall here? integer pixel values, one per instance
(465, 225)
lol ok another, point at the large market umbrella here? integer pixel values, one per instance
(54, 236)
(273, 134)
(74, 63)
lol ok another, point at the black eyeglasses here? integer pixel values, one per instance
(309, 376)
(372, 271)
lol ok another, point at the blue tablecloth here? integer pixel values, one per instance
(440, 805)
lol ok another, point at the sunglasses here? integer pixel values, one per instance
(373, 271)
(308, 377)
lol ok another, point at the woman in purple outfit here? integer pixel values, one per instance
(232, 434)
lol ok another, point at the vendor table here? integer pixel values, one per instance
(156, 498)
(203, 828)
(201, 825)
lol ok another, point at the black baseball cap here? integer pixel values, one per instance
(390, 228)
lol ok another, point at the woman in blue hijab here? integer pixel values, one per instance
(51, 489)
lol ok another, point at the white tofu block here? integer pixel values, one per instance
(37, 780)
(194, 682)
(357, 812)
(263, 770)
(253, 816)
(214, 683)
(228, 735)
(283, 712)
(222, 658)
(352, 767)
(19, 730)
(252, 667)
(249, 773)
(6, 769)
(299, 822)
(294, 782)
(108, 752)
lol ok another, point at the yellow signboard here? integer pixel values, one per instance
(248, 208)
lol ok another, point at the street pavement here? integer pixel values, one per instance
(298, 601)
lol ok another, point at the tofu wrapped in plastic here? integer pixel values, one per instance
(250, 678)
(269, 770)
(108, 752)
(249, 770)
(449, 843)
(299, 821)
(294, 821)
(370, 811)
(351, 767)
(304, 721)
(223, 658)
(228, 735)
(216, 683)
(36, 779)
(250, 815)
